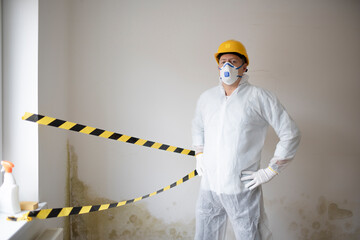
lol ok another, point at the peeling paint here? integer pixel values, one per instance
(128, 222)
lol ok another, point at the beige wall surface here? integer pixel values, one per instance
(53, 101)
(138, 67)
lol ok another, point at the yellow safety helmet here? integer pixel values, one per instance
(231, 46)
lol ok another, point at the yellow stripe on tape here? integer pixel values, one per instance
(46, 120)
(156, 145)
(106, 134)
(65, 212)
(67, 125)
(85, 209)
(26, 116)
(185, 151)
(180, 181)
(43, 213)
(87, 130)
(124, 138)
(140, 142)
(171, 149)
(104, 207)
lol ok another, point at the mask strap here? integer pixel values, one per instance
(240, 66)
(227, 63)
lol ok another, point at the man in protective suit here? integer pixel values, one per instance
(228, 132)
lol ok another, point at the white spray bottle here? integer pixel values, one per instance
(9, 191)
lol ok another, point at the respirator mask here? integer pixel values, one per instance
(229, 73)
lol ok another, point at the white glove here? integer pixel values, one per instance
(199, 163)
(258, 178)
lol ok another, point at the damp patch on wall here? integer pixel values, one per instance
(128, 222)
(321, 219)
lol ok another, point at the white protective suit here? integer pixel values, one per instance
(231, 132)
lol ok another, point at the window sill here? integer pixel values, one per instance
(18, 230)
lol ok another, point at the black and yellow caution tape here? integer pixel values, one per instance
(67, 211)
(49, 121)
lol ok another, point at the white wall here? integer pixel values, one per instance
(20, 92)
(53, 101)
(137, 67)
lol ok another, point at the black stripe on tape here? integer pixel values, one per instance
(159, 191)
(34, 213)
(146, 196)
(94, 208)
(173, 185)
(132, 140)
(115, 136)
(54, 212)
(35, 118)
(75, 210)
(148, 143)
(129, 201)
(164, 147)
(97, 132)
(77, 127)
(178, 150)
(56, 123)
(186, 178)
(112, 205)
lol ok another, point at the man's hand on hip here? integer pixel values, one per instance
(257, 178)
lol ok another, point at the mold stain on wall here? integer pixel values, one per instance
(127, 222)
(325, 220)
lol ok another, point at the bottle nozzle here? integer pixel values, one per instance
(7, 165)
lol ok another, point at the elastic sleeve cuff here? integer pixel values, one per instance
(198, 149)
(273, 170)
(278, 164)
